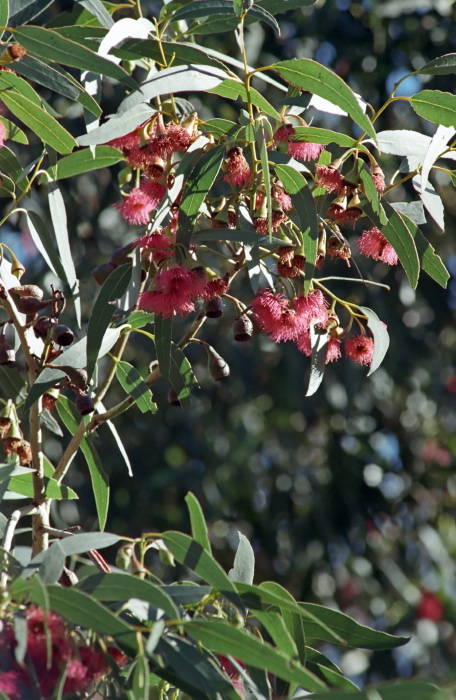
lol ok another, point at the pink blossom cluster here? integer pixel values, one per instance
(82, 666)
(282, 320)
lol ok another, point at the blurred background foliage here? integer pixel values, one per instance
(348, 497)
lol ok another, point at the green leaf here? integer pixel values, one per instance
(313, 77)
(139, 675)
(99, 478)
(292, 618)
(163, 328)
(198, 185)
(325, 669)
(132, 382)
(40, 73)
(59, 222)
(438, 107)
(98, 10)
(353, 634)
(370, 190)
(443, 65)
(187, 593)
(81, 609)
(244, 562)
(185, 666)
(193, 555)
(11, 383)
(311, 134)
(22, 11)
(45, 244)
(381, 338)
(181, 53)
(181, 376)
(237, 235)
(10, 164)
(14, 133)
(397, 233)
(221, 127)
(84, 161)
(48, 45)
(232, 89)
(103, 311)
(214, 8)
(222, 638)
(139, 319)
(117, 126)
(397, 690)
(296, 186)
(45, 126)
(319, 341)
(198, 523)
(429, 260)
(4, 14)
(23, 484)
(11, 82)
(112, 588)
(31, 588)
(277, 630)
(277, 6)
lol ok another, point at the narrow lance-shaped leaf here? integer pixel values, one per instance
(198, 185)
(80, 609)
(14, 133)
(103, 311)
(99, 478)
(163, 328)
(22, 11)
(232, 89)
(429, 260)
(311, 134)
(181, 376)
(296, 186)
(42, 123)
(438, 107)
(244, 562)
(313, 77)
(50, 46)
(294, 622)
(45, 75)
(319, 338)
(370, 190)
(23, 484)
(443, 65)
(223, 638)
(381, 338)
(84, 161)
(198, 523)
(193, 555)
(43, 241)
(132, 382)
(213, 8)
(59, 222)
(418, 690)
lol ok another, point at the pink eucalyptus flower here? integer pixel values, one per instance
(236, 167)
(329, 178)
(3, 134)
(137, 207)
(174, 290)
(373, 244)
(312, 309)
(360, 348)
(305, 151)
(274, 315)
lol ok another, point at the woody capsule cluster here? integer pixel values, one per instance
(177, 284)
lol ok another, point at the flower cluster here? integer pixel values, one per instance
(83, 667)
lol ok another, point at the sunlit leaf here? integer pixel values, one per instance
(117, 126)
(85, 161)
(319, 342)
(244, 562)
(403, 142)
(381, 338)
(22, 11)
(438, 107)
(311, 134)
(397, 690)
(313, 77)
(443, 65)
(14, 133)
(23, 484)
(429, 260)
(198, 523)
(181, 376)
(132, 382)
(40, 73)
(399, 236)
(232, 89)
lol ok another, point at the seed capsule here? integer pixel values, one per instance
(84, 404)
(217, 366)
(214, 307)
(31, 305)
(7, 353)
(242, 329)
(61, 334)
(173, 398)
(28, 290)
(102, 272)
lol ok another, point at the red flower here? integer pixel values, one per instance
(329, 178)
(312, 309)
(233, 674)
(154, 190)
(15, 685)
(305, 151)
(215, 288)
(174, 291)
(373, 244)
(360, 348)
(430, 607)
(236, 167)
(137, 207)
(274, 315)
(3, 134)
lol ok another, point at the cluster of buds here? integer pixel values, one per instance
(52, 649)
(14, 444)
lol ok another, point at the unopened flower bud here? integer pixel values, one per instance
(214, 307)
(242, 329)
(173, 398)
(42, 325)
(217, 366)
(7, 353)
(61, 334)
(50, 398)
(102, 272)
(16, 51)
(24, 452)
(123, 557)
(120, 256)
(84, 404)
